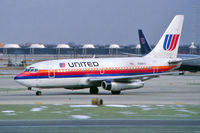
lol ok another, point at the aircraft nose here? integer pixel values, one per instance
(15, 78)
(20, 78)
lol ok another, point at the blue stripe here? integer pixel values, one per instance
(169, 41)
(165, 42)
(75, 76)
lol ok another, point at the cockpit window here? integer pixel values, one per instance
(26, 70)
(33, 70)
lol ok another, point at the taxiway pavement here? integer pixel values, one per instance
(164, 90)
(127, 123)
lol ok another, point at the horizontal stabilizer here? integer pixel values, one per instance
(178, 61)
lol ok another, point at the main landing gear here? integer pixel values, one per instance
(94, 90)
(38, 90)
(38, 93)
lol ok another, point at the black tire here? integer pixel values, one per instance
(38, 93)
(115, 92)
(94, 90)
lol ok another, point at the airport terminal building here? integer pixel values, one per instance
(86, 49)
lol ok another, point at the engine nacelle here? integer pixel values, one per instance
(115, 86)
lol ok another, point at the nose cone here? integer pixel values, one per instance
(15, 78)
(22, 79)
(19, 76)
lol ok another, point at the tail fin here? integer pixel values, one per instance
(145, 48)
(168, 45)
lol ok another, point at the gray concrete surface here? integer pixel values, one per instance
(99, 126)
(127, 123)
(164, 90)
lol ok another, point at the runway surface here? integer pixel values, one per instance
(164, 90)
(99, 126)
(127, 123)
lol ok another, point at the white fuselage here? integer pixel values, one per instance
(75, 73)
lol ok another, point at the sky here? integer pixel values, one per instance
(99, 22)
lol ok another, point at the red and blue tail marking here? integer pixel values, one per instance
(170, 42)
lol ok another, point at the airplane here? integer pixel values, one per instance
(112, 74)
(190, 62)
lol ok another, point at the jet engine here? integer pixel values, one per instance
(118, 86)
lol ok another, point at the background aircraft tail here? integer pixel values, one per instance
(167, 47)
(145, 47)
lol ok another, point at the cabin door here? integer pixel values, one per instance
(51, 71)
(155, 70)
(101, 70)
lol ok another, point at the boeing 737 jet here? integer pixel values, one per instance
(112, 74)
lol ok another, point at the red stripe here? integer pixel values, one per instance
(172, 43)
(46, 73)
(175, 42)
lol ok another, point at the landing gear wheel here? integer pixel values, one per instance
(94, 90)
(38, 93)
(115, 92)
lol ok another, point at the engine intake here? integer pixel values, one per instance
(107, 85)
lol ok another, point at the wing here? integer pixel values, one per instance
(141, 77)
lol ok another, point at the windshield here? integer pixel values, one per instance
(26, 70)
(31, 69)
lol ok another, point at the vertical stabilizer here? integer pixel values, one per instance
(168, 45)
(145, 47)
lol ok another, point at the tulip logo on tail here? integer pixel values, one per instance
(170, 42)
(142, 40)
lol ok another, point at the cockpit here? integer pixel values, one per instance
(31, 69)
